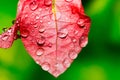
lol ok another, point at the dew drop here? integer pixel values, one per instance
(40, 51)
(69, 0)
(24, 33)
(35, 26)
(33, 5)
(81, 23)
(37, 62)
(46, 66)
(73, 54)
(42, 29)
(76, 32)
(62, 33)
(5, 37)
(10, 30)
(41, 40)
(74, 40)
(47, 2)
(37, 17)
(83, 41)
(66, 63)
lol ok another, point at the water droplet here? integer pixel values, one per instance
(24, 33)
(10, 30)
(5, 37)
(37, 17)
(76, 32)
(42, 29)
(62, 33)
(33, 5)
(18, 20)
(41, 20)
(46, 66)
(66, 63)
(48, 2)
(40, 51)
(74, 40)
(69, 0)
(81, 23)
(73, 54)
(35, 26)
(83, 41)
(41, 40)
(37, 62)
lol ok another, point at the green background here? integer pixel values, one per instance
(99, 60)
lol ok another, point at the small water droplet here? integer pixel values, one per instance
(66, 63)
(35, 26)
(46, 66)
(62, 33)
(73, 54)
(41, 40)
(41, 20)
(33, 5)
(83, 41)
(76, 32)
(40, 51)
(10, 30)
(48, 2)
(42, 29)
(37, 62)
(69, 0)
(74, 40)
(37, 17)
(18, 20)
(24, 33)
(5, 37)
(81, 23)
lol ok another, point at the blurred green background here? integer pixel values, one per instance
(100, 60)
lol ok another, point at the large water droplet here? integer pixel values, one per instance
(41, 40)
(42, 29)
(83, 41)
(33, 5)
(24, 33)
(5, 37)
(73, 54)
(47, 2)
(46, 66)
(66, 63)
(62, 33)
(40, 51)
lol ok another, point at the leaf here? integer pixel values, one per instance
(53, 32)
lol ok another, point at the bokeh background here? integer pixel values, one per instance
(99, 60)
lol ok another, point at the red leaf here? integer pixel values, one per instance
(52, 32)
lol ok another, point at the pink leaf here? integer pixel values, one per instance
(52, 32)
